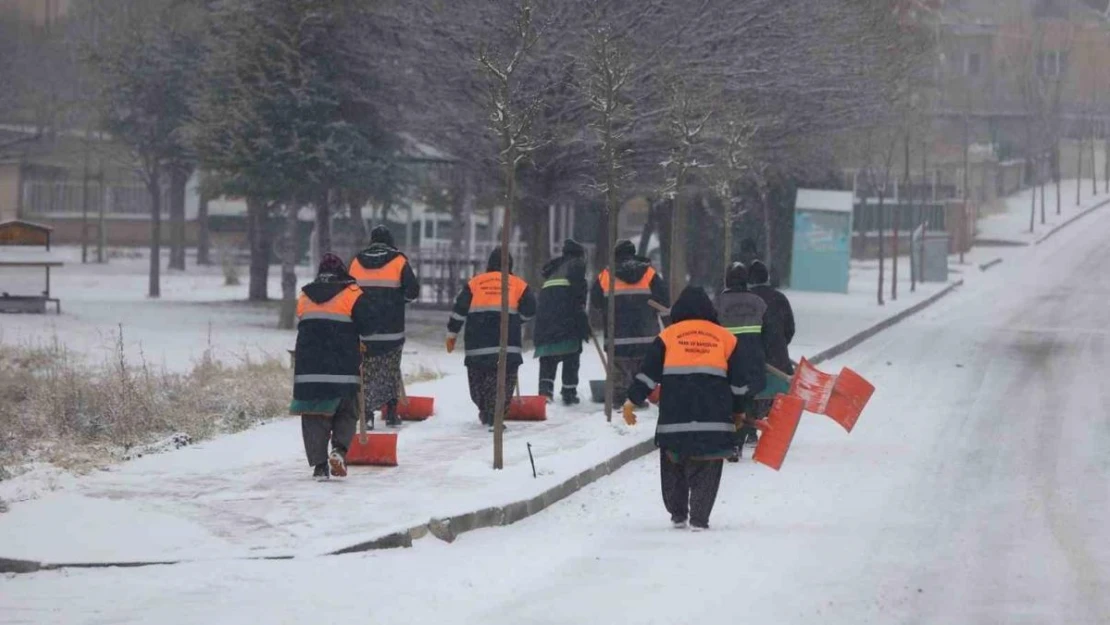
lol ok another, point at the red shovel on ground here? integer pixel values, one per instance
(527, 407)
(414, 408)
(371, 448)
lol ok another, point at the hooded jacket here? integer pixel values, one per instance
(637, 322)
(561, 317)
(478, 306)
(333, 314)
(387, 279)
(778, 319)
(705, 377)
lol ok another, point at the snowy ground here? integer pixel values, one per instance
(974, 490)
(1012, 224)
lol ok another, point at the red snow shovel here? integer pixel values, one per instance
(840, 397)
(527, 407)
(371, 448)
(782, 422)
(413, 408)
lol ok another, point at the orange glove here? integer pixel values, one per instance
(628, 411)
(451, 343)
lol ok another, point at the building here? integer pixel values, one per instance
(38, 12)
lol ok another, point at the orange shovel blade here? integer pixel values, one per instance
(416, 408)
(373, 448)
(786, 412)
(528, 408)
(849, 397)
(812, 386)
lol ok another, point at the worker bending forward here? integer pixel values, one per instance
(706, 379)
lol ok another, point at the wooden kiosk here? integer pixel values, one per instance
(16, 237)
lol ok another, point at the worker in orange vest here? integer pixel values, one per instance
(332, 313)
(387, 279)
(637, 323)
(478, 306)
(706, 379)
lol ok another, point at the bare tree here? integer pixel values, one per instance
(510, 120)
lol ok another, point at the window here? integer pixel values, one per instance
(973, 63)
(1051, 64)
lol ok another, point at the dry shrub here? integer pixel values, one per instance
(55, 406)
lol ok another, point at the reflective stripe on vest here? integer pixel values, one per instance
(635, 340)
(695, 426)
(745, 329)
(643, 287)
(489, 351)
(485, 291)
(556, 282)
(324, 378)
(697, 347)
(387, 276)
(383, 337)
(337, 308)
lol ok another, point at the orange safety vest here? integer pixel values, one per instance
(387, 276)
(697, 346)
(338, 308)
(643, 287)
(485, 292)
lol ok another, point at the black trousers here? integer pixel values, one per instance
(483, 390)
(625, 369)
(340, 428)
(549, 366)
(689, 488)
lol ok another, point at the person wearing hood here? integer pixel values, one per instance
(741, 313)
(705, 375)
(636, 283)
(778, 320)
(478, 306)
(561, 322)
(332, 314)
(389, 283)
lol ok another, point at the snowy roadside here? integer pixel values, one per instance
(246, 494)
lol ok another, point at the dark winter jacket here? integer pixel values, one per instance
(387, 279)
(478, 306)
(741, 313)
(778, 320)
(562, 302)
(705, 377)
(333, 313)
(637, 322)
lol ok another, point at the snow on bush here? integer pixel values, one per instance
(56, 406)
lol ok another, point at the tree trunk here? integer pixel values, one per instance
(727, 213)
(154, 186)
(678, 243)
(534, 226)
(258, 236)
(1094, 169)
(648, 230)
(1042, 200)
(460, 218)
(1079, 175)
(1056, 175)
(358, 222)
(611, 311)
(768, 230)
(323, 225)
(882, 249)
(503, 351)
(287, 317)
(179, 178)
(1032, 191)
(204, 243)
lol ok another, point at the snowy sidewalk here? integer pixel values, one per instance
(248, 494)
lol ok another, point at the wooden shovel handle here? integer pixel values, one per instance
(661, 309)
(778, 373)
(600, 352)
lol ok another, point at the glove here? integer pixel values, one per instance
(628, 411)
(451, 343)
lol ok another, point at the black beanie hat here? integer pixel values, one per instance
(381, 234)
(573, 248)
(737, 276)
(624, 250)
(757, 273)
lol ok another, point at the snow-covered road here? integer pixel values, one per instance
(976, 489)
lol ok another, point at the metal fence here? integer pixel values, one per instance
(67, 198)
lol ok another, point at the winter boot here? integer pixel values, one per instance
(320, 472)
(547, 397)
(570, 397)
(737, 452)
(338, 464)
(391, 418)
(678, 523)
(751, 437)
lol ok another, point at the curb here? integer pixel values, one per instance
(448, 529)
(1070, 221)
(987, 265)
